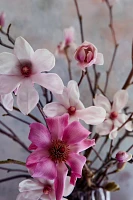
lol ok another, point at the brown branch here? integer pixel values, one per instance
(129, 119)
(13, 170)
(12, 161)
(5, 45)
(8, 34)
(69, 63)
(15, 177)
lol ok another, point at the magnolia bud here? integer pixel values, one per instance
(123, 156)
(2, 19)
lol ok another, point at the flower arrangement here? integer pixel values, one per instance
(63, 148)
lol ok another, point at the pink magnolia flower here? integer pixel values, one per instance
(7, 101)
(41, 189)
(69, 102)
(69, 42)
(22, 69)
(87, 55)
(114, 117)
(123, 156)
(2, 19)
(56, 146)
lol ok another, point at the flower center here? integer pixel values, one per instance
(26, 69)
(59, 151)
(47, 189)
(113, 115)
(72, 110)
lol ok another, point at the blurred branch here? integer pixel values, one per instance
(12, 161)
(15, 177)
(13, 170)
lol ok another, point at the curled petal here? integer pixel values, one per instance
(83, 145)
(120, 100)
(54, 109)
(68, 188)
(92, 115)
(103, 102)
(7, 101)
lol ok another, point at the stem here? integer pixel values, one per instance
(12, 161)
(69, 63)
(90, 85)
(129, 119)
(5, 45)
(15, 177)
(81, 78)
(13, 170)
(7, 34)
(129, 148)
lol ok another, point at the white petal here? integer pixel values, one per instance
(105, 127)
(54, 109)
(28, 185)
(7, 101)
(9, 83)
(92, 115)
(63, 98)
(73, 92)
(20, 197)
(128, 125)
(43, 60)
(120, 120)
(50, 81)
(22, 49)
(45, 197)
(27, 97)
(68, 188)
(120, 100)
(102, 101)
(113, 134)
(99, 59)
(32, 195)
(9, 64)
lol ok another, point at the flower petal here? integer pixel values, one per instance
(9, 83)
(113, 134)
(99, 59)
(105, 127)
(9, 64)
(7, 101)
(34, 195)
(83, 145)
(43, 60)
(92, 115)
(73, 92)
(27, 97)
(120, 100)
(75, 133)
(60, 180)
(103, 102)
(50, 81)
(39, 135)
(29, 184)
(63, 98)
(76, 162)
(54, 109)
(22, 49)
(57, 125)
(46, 168)
(68, 188)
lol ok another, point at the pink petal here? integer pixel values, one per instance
(76, 163)
(68, 188)
(32, 147)
(54, 109)
(9, 83)
(46, 168)
(28, 185)
(103, 102)
(39, 135)
(120, 100)
(57, 125)
(105, 127)
(22, 49)
(9, 64)
(92, 115)
(73, 92)
(99, 59)
(7, 101)
(27, 97)
(83, 145)
(69, 35)
(50, 81)
(43, 60)
(75, 133)
(60, 180)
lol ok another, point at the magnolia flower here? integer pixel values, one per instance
(42, 189)
(56, 146)
(2, 19)
(22, 69)
(114, 117)
(123, 156)
(68, 102)
(68, 43)
(7, 101)
(87, 55)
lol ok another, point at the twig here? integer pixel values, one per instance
(129, 119)
(119, 141)
(81, 78)
(12, 161)
(7, 34)
(90, 85)
(5, 45)
(69, 63)
(129, 148)
(15, 177)
(97, 154)
(13, 170)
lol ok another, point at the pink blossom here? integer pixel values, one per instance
(114, 117)
(68, 42)
(22, 69)
(123, 156)
(2, 19)
(56, 146)
(7, 101)
(69, 102)
(41, 189)
(87, 55)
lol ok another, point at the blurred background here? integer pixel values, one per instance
(41, 23)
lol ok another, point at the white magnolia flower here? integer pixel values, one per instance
(7, 101)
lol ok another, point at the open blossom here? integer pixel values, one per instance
(114, 117)
(22, 69)
(123, 156)
(69, 102)
(2, 19)
(68, 43)
(7, 101)
(87, 55)
(56, 146)
(41, 189)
